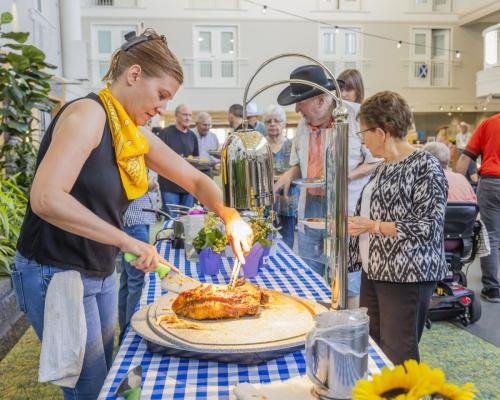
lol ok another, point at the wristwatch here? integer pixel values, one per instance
(376, 228)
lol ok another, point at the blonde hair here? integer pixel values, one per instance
(152, 55)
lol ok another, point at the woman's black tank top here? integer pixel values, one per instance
(99, 188)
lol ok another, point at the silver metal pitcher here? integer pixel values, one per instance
(337, 352)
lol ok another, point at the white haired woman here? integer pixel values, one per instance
(459, 189)
(286, 203)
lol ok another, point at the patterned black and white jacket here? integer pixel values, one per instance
(413, 194)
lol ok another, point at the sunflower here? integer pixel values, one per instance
(422, 379)
(448, 391)
(411, 381)
(390, 384)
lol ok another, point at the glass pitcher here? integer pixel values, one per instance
(337, 352)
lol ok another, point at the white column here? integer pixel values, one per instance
(74, 51)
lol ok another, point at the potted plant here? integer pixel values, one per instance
(209, 242)
(24, 88)
(262, 227)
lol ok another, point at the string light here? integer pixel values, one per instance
(337, 28)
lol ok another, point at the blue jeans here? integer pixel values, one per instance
(131, 281)
(311, 240)
(288, 229)
(31, 281)
(311, 246)
(182, 199)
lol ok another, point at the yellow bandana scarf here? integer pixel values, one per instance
(130, 147)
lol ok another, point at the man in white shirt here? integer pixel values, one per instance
(307, 158)
(207, 140)
(463, 136)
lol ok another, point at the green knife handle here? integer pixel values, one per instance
(132, 394)
(161, 269)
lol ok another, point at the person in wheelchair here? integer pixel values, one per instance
(461, 237)
(459, 188)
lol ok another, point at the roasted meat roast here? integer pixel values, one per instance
(210, 301)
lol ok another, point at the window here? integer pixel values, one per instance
(211, 4)
(105, 40)
(430, 58)
(215, 56)
(492, 47)
(339, 5)
(430, 5)
(340, 48)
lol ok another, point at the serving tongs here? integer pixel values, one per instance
(235, 273)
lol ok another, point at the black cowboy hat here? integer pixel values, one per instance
(297, 92)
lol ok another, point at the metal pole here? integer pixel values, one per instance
(338, 261)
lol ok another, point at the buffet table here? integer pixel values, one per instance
(178, 378)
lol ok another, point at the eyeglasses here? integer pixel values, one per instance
(361, 133)
(275, 120)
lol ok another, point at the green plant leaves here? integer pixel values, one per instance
(19, 37)
(34, 54)
(24, 88)
(6, 18)
(18, 62)
(210, 236)
(13, 204)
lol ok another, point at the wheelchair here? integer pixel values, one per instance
(452, 299)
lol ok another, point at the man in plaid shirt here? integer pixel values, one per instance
(136, 224)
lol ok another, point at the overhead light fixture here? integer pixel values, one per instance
(264, 9)
(336, 29)
(485, 108)
(457, 54)
(449, 114)
(459, 108)
(399, 44)
(441, 108)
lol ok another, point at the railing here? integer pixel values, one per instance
(435, 73)
(110, 3)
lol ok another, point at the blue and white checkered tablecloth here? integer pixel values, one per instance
(166, 377)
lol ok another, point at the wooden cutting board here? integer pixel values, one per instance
(284, 317)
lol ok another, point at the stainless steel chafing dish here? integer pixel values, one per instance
(247, 170)
(248, 175)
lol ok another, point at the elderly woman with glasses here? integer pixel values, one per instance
(397, 231)
(281, 146)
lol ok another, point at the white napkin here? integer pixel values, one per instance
(297, 388)
(64, 331)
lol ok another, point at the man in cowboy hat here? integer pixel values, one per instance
(308, 151)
